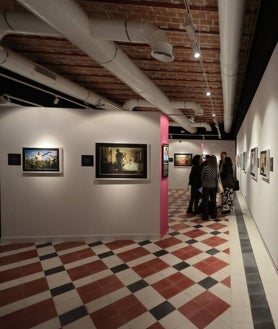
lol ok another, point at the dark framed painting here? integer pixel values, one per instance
(254, 163)
(87, 160)
(41, 160)
(265, 163)
(182, 159)
(121, 161)
(165, 160)
(14, 159)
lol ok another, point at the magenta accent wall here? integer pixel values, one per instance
(164, 126)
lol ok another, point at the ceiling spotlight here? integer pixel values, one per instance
(192, 119)
(56, 100)
(196, 51)
(208, 92)
(190, 30)
(213, 115)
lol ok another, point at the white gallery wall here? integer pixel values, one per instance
(259, 129)
(179, 176)
(75, 205)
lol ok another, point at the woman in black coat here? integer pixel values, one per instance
(228, 182)
(195, 182)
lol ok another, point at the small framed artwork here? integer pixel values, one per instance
(254, 163)
(244, 161)
(165, 160)
(182, 159)
(265, 163)
(121, 161)
(41, 160)
(14, 159)
(87, 160)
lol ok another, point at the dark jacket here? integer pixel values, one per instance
(227, 176)
(195, 176)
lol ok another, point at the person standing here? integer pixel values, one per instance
(209, 178)
(228, 182)
(195, 183)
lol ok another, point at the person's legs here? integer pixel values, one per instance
(225, 205)
(191, 201)
(213, 202)
(205, 202)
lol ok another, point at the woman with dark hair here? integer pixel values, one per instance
(195, 182)
(228, 182)
(209, 184)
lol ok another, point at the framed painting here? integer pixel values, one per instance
(41, 160)
(265, 163)
(165, 160)
(121, 161)
(244, 161)
(182, 159)
(254, 163)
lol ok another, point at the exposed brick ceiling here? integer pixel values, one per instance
(182, 79)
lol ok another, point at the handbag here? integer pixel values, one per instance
(236, 186)
(220, 188)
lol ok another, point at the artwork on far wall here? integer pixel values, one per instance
(265, 163)
(182, 159)
(254, 163)
(244, 161)
(41, 160)
(121, 161)
(165, 160)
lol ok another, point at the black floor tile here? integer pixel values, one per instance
(62, 289)
(138, 285)
(119, 268)
(212, 251)
(73, 315)
(181, 266)
(48, 256)
(208, 282)
(161, 310)
(160, 253)
(106, 254)
(54, 270)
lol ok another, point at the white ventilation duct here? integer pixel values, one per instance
(136, 102)
(12, 22)
(106, 29)
(231, 15)
(72, 21)
(202, 125)
(132, 31)
(22, 66)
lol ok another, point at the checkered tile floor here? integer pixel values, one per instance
(180, 281)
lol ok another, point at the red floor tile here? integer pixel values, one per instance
(82, 271)
(216, 226)
(195, 233)
(14, 246)
(75, 256)
(19, 272)
(99, 288)
(5, 260)
(227, 282)
(186, 252)
(118, 244)
(173, 285)
(168, 242)
(30, 316)
(68, 245)
(210, 265)
(150, 267)
(132, 254)
(214, 241)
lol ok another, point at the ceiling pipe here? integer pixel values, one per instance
(133, 31)
(205, 125)
(14, 62)
(231, 15)
(12, 22)
(137, 102)
(72, 21)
